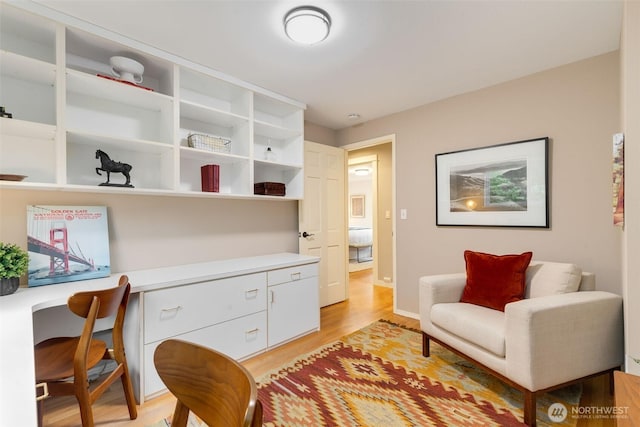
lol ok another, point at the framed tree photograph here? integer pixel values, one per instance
(504, 185)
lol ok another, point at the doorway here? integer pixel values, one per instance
(362, 200)
(370, 206)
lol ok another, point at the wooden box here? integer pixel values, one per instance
(269, 188)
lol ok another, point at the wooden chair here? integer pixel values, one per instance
(59, 359)
(215, 387)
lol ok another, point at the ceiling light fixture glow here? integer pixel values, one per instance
(307, 24)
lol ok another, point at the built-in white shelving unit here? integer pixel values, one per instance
(54, 74)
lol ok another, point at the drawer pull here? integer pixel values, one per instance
(296, 276)
(45, 391)
(251, 293)
(176, 308)
(252, 331)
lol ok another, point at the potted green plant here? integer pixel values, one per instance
(14, 262)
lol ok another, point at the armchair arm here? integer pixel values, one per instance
(439, 289)
(554, 339)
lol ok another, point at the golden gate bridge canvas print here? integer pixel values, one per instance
(67, 243)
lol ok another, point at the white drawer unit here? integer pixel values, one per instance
(299, 272)
(240, 313)
(238, 338)
(293, 303)
(173, 311)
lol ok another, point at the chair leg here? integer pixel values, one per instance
(530, 408)
(180, 415)
(40, 412)
(257, 415)
(80, 388)
(425, 345)
(128, 392)
(84, 401)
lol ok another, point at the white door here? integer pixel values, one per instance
(322, 218)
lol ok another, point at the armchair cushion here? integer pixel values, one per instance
(478, 325)
(494, 280)
(551, 278)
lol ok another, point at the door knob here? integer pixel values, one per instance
(305, 234)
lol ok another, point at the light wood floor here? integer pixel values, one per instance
(367, 303)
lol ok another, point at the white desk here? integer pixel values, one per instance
(17, 377)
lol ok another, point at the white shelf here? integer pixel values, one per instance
(109, 141)
(101, 106)
(291, 176)
(27, 129)
(277, 113)
(64, 111)
(28, 87)
(27, 34)
(102, 88)
(205, 114)
(26, 68)
(274, 131)
(204, 89)
(210, 156)
(277, 165)
(91, 53)
(234, 174)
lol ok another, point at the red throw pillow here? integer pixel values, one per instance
(495, 280)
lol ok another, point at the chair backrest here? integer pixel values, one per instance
(110, 299)
(215, 387)
(99, 304)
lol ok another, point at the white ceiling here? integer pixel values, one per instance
(381, 56)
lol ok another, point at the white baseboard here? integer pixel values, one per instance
(407, 314)
(359, 266)
(631, 365)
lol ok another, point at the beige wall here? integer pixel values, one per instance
(155, 231)
(576, 105)
(630, 70)
(319, 134)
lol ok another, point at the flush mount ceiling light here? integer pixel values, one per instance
(307, 24)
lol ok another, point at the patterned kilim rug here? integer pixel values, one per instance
(377, 376)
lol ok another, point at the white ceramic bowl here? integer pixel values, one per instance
(126, 69)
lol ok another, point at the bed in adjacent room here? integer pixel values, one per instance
(361, 241)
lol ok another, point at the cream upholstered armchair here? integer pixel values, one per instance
(563, 331)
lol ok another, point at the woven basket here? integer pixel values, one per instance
(209, 142)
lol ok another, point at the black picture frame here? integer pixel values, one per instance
(503, 185)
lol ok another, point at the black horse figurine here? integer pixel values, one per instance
(108, 166)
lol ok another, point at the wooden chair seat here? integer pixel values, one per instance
(54, 357)
(63, 362)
